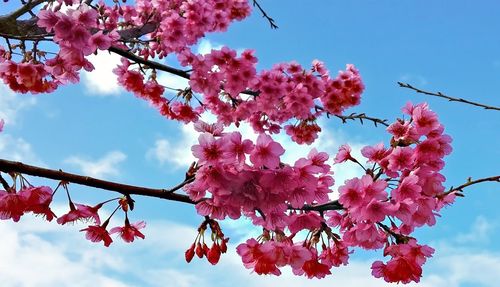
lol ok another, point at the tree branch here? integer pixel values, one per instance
(25, 9)
(11, 166)
(451, 99)
(355, 116)
(151, 64)
(264, 14)
(5, 184)
(471, 182)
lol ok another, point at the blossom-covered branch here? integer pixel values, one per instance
(451, 99)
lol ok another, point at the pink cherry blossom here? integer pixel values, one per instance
(128, 232)
(266, 152)
(80, 212)
(97, 233)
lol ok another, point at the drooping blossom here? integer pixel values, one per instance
(81, 212)
(129, 232)
(98, 233)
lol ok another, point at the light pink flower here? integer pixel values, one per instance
(344, 154)
(266, 152)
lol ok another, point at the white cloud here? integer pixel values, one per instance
(11, 104)
(172, 81)
(102, 81)
(44, 254)
(177, 153)
(206, 46)
(107, 166)
(17, 149)
(479, 232)
(29, 260)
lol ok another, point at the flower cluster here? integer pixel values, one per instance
(248, 178)
(403, 186)
(234, 91)
(14, 204)
(201, 249)
(37, 200)
(406, 262)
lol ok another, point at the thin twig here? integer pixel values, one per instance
(471, 182)
(451, 99)
(264, 14)
(25, 9)
(5, 184)
(355, 116)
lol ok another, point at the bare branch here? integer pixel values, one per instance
(151, 64)
(5, 184)
(11, 166)
(264, 14)
(451, 99)
(25, 9)
(355, 116)
(472, 182)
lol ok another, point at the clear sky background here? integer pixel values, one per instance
(97, 129)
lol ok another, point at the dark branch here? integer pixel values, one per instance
(451, 99)
(471, 182)
(355, 116)
(264, 14)
(332, 205)
(25, 9)
(151, 64)
(5, 184)
(11, 166)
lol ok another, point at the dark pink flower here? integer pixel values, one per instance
(11, 205)
(97, 233)
(38, 200)
(80, 212)
(129, 231)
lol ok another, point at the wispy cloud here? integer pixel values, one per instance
(11, 104)
(18, 149)
(44, 254)
(107, 166)
(479, 232)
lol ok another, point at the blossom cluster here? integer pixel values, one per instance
(303, 227)
(37, 200)
(403, 186)
(221, 82)
(80, 30)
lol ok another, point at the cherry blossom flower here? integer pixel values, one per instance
(80, 212)
(12, 206)
(344, 154)
(97, 233)
(266, 152)
(128, 232)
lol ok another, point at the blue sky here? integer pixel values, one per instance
(95, 128)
